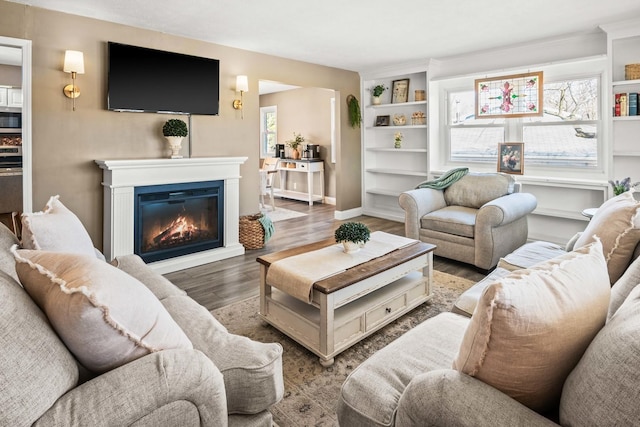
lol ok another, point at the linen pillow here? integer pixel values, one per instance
(104, 316)
(55, 229)
(617, 224)
(530, 328)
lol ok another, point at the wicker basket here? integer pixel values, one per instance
(251, 232)
(632, 72)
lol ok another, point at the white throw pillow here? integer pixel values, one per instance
(56, 229)
(531, 328)
(104, 316)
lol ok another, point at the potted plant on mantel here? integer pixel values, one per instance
(352, 235)
(174, 130)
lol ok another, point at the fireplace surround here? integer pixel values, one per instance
(122, 177)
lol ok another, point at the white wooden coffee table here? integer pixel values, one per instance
(349, 306)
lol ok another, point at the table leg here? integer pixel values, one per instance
(310, 187)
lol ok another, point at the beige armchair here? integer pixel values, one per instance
(477, 220)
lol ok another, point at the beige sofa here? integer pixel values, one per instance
(476, 220)
(223, 379)
(553, 343)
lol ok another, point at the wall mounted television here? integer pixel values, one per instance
(148, 80)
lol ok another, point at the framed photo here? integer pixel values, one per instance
(383, 120)
(511, 157)
(400, 91)
(517, 95)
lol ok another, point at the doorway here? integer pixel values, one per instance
(17, 53)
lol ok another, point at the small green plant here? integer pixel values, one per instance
(620, 187)
(296, 141)
(355, 116)
(378, 90)
(175, 127)
(355, 232)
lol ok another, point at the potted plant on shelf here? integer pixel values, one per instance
(294, 144)
(352, 235)
(174, 130)
(376, 92)
(620, 187)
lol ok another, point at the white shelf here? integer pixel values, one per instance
(398, 172)
(558, 213)
(626, 153)
(624, 83)
(398, 150)
(399, 104)
(398, 127)
(388, 171)
(622, 118)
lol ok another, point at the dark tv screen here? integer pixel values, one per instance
(149, 80)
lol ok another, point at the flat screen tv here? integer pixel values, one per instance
(149, 80)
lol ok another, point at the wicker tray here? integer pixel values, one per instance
(632, 71)
(251, 232)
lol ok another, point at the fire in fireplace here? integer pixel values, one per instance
(178, 219)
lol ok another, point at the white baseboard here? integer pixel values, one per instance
(329, 200)
(351, 213)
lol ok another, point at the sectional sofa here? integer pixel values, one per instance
(75, 351)
(551, 337)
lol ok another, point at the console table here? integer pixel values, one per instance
(309, 166)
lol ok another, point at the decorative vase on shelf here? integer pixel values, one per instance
(175, 144)
(375, 100)
(397, 140)
(295, 154)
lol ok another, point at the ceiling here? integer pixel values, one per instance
(356, 35)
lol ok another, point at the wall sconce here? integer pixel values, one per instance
(242, 85)
(74, 64)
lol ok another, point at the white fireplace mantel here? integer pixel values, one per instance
(120, 177)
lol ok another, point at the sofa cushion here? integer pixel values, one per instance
(458, 220)
(530, 328)
(603, 388)
(623, 287)
(36, 366)
(252, 370)
(105, 317)
(55, 229)
(370, 394)
(475, 189)
(7, 240)
(531, 254)
(617, 224)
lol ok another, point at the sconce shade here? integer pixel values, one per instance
(73, 62)
(242, 84)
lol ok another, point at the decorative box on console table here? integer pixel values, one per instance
(210, 185)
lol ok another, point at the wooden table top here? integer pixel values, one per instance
(356, 273)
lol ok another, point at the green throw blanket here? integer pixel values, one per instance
(445, 180)
(268, 227)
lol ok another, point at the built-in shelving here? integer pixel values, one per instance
(388, 171)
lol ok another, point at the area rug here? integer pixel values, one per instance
(281, 214)
(311, 391)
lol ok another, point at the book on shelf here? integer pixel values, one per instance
(616, 105)
(624, 107)
(632, 100)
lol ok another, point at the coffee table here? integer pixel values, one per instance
(351, 305)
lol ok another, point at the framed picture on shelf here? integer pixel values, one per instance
(511, 157)
(517, 95)
(383, 120)
(400, 91)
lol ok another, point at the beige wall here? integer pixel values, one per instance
(306, 111)
(66, 143)
(10, 75)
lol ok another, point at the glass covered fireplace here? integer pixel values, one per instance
(178, 219)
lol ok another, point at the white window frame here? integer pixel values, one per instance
(263, 131)
(514, 127)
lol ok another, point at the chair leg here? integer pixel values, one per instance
(273, 200)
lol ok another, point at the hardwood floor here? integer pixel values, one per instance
(223, 282)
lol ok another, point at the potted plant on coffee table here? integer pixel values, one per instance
(352, 235)
(174, 130)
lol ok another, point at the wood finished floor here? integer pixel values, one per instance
(224, 282)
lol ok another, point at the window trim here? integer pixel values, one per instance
(263, 132)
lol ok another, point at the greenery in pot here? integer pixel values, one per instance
(296, 141)
(355, 232)
(620, 187)
(378, 90)
(175, 127)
